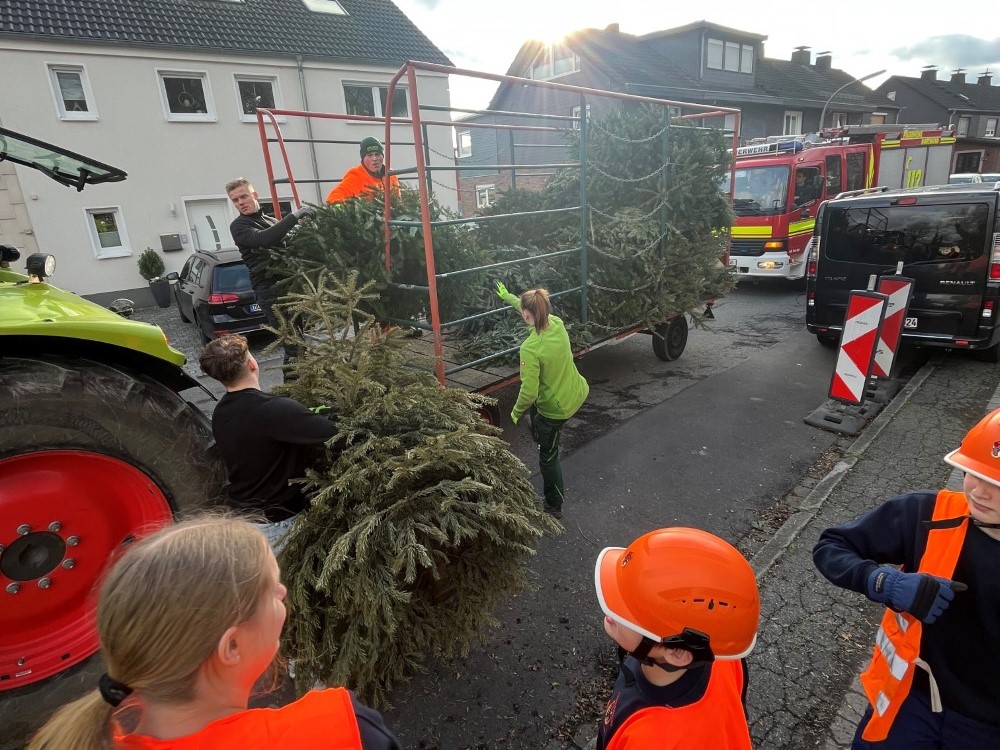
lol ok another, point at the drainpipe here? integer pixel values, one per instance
(309, 129)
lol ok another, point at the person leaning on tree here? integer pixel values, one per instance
(265, 440)
(189, 619)
(552, 389)
(932, 681)
(254, 232)
(683, 607)
(359, 181)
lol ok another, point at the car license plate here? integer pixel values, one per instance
(255, 307)
(909, 322)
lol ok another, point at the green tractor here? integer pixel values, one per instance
(97, 445)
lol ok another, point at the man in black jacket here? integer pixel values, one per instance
(254, 232)
(265, 440)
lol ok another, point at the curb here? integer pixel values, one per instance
(772, 550)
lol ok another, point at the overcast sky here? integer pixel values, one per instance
(863, 35)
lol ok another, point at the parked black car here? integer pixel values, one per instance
(213, 291)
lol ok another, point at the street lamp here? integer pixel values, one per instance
(822, 115)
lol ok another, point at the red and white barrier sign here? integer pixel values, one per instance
(898, 289)
(862, 326)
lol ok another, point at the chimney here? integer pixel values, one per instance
(929, 73)
(802, 55)
(958, 76)
(612, 27)
(985, 78)
(823, 60)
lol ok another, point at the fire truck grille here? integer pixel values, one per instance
(752, 248)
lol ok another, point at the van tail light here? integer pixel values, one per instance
(995, 259)
(987, 313)
(812, 261)
(222, 299)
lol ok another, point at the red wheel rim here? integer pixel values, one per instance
(63, 514)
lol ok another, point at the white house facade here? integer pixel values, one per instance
(180, 119)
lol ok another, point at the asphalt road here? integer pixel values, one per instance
(713, 439)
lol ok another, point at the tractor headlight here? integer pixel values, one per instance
(41, 265)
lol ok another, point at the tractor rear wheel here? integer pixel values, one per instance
(91, 458)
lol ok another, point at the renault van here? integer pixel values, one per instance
(947, 238)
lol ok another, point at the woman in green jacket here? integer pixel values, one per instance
(552, 389)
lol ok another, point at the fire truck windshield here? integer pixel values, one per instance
(760, 191)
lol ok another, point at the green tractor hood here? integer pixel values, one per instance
(40, 309)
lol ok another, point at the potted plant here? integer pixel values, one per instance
(151, 268)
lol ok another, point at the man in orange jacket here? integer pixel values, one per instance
(683, 605)
(359, 181)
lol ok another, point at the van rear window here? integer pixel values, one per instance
(885, 235)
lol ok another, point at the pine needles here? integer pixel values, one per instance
(421, 519)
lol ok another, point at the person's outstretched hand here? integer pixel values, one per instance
(305, 212)
(923, 596)
(501, 290)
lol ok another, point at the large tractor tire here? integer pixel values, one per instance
(91, 457)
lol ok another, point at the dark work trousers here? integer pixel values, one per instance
(267, 297)
(918, 728)
(546, 431)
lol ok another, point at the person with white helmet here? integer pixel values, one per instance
(684, 605)
(932, 558)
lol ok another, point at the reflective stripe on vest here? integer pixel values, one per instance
(888, 679)
(715, 721)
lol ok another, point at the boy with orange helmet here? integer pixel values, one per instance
(684, 606)
(932, 680)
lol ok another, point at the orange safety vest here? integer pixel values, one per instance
(715, 721)
(888, 679)
(320, 718)
(357, 183)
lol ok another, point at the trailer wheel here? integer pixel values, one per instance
(91, 457)
(670, 338)
(491, 415)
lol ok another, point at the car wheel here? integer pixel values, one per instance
(205, 338)
(180, 310)
(830, 341)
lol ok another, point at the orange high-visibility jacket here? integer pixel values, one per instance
(357, 182)
(321, 718)
(716, 721)
(888, 679)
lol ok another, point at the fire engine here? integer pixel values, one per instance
(781, 181)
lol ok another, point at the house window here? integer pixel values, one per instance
(991, 126)
(968, 161)
(837, 120)
(186, 96)
(486, 195)
(576, 113)
(369, 100)
(107, 232)
(553, 62)
(71, 88)
(464, 144)
(253, 92)
(268, 207)
(731, 56)
(963, 125)
(792, 124)
(325, 6)
(878, 118)
(729, 124)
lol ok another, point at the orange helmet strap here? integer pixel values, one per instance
(691, 640)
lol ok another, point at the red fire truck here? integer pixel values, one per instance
(781, 181)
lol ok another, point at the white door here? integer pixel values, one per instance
(209, 221)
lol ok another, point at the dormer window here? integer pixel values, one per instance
(325, 6)
(553, 62)
(730, 56)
